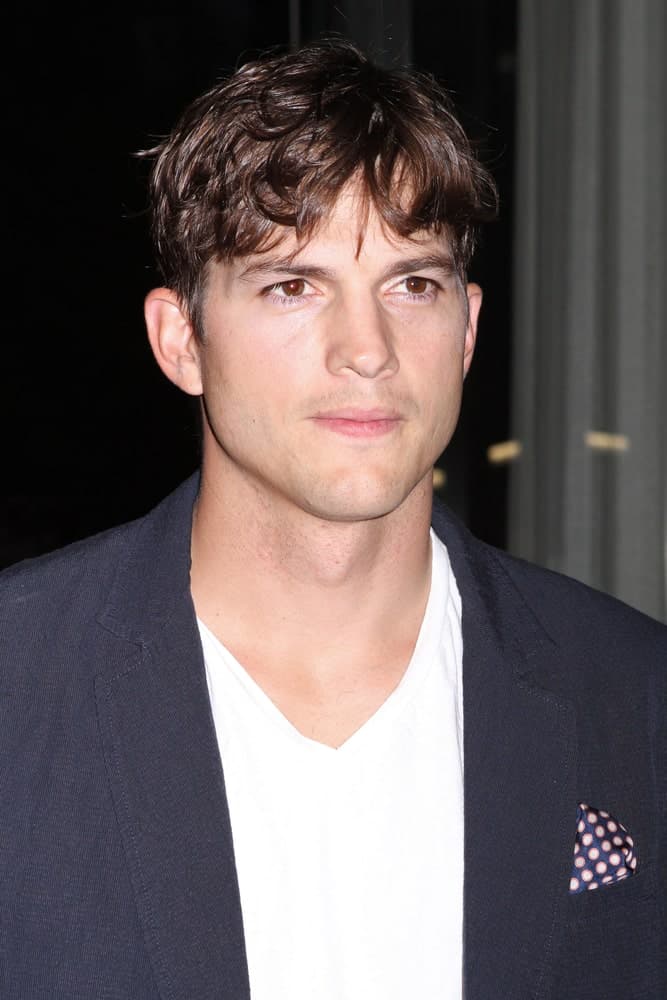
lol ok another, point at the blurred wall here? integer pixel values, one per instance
(590, 352)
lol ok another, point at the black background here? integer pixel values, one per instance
(92, 433)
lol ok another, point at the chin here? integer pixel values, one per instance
(355, 505)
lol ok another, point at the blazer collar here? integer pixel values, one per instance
(164, 768)
(152, 580)
(166, 777)
(519, 774)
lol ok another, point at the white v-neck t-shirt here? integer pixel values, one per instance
(350, 860)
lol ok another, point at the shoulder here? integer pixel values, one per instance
(73, 580)
(562, 604)
(608, 652)
(51, 643)
(61, 581)
(600, 639)
(571, 610)
(56, 610)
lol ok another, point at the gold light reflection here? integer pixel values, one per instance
(439, 478)
(603, 441)
(503, 451)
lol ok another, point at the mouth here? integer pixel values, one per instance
(359, 423)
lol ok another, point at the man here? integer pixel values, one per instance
(279, 738)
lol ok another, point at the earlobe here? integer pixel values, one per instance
(173, 340)
(474, 296)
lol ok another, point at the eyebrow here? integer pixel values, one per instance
(424, 262)
(284, 265)
(406, 265)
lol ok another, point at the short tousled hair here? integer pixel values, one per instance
(275, 144)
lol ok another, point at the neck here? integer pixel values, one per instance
(314, 589)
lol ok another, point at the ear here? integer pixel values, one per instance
(173, 341)
(474, 296)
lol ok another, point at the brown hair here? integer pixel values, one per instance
(275, 144)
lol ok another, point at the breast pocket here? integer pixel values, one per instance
(609, 945)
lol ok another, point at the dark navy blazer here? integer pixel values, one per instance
(117, 875)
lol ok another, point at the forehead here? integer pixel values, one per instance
(353, 230)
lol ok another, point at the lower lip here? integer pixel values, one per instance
(358, 428)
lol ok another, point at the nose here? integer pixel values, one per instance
(360, 340)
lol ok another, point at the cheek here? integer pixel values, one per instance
(437, 371)
(233, 369)
(248, 393)
(439, 391)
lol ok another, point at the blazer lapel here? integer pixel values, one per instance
(165, 773)
(519, 768)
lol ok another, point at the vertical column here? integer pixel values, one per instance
(590, 346)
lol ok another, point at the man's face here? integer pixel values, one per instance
(331, 376)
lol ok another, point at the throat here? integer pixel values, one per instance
(326, 700)
(330, 710)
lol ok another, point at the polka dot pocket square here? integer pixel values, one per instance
(604, 851)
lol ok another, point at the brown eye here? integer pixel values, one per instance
(416, 285)
(293, 288)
